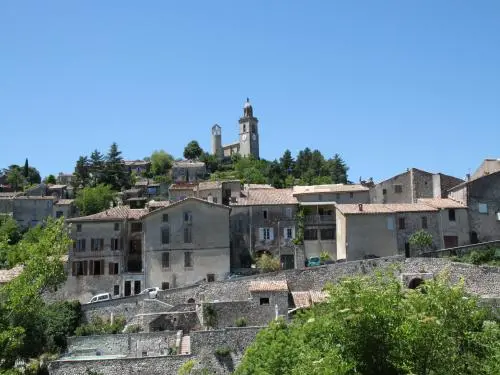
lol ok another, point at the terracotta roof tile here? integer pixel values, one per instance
(8, 275)
(266, 196)
(64, 202)
(332, 188)
(115, 213)
(301, 299)
(380, 208)
(183, 186)
(154, 203)
(441, 203)
(268, 286)
(318, 296)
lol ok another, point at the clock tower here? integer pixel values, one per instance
(249, 132)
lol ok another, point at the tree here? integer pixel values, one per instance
(82, 173)
(266, 263)
(193, 150)
(287, 162)
(91, 200)
(115, 174)
(15, 177)
(50, 179)
(371, 325)
(421, 240)
(96, 166)
(26, 169)
(161, 162)
(211, 161)
(338, 170)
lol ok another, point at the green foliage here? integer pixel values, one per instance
(209, 316)
(21, 177)
(186, 367)
(100, 326)
(240, 322)
(161, 162)
(300, 218)
(50, 179)
(24, 316)
(371, 325)
(421, 239)
(266, 263)
(91, 200)
(325, 256)
(115, 174)
(133, 328)
(223, 351)
(212, 163)
(489, 256)
(193, 150)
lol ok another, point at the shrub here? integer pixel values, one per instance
(240, 322)
(266, 263)
(209, 316)
(223, 351)
(133, 328)
(186, 367)
(99, 326)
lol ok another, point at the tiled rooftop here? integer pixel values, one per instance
(441, 203)
(115, 213)
(183, 186)
(266, 196)
(268, 286)
(57, 186)
(332, 188)
(64, 202)
(380, 208)
(154, 203)
(209, 185)
(188, 164)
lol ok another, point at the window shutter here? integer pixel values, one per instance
(271, 234)
(261, 234)
(102, 267)
(85, 267)
(82, 245)
(285, 230)
(111, 268)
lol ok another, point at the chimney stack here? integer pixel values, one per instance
(360, 207)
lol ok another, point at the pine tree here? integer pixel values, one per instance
(115, 173)
(26, 169)
(96, 167)
(81, 173)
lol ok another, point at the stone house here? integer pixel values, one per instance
(138, 167)
(29, 211)
(182, 190)
(223, 192)
(264, 221)
(58, 191)
(65, 207)
(64, 178)
(318, 205)
(186, 242)
(366, 230)
(188, 171)
(453, 221)
(482, 197)
(411, 185)
(107, 253)
(488, 166)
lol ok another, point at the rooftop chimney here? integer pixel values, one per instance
(360, 206)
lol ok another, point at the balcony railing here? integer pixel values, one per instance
(319, 219)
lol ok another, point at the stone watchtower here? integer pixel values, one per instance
(249, 132)
(217, 141)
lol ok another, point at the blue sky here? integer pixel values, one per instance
(386, 84)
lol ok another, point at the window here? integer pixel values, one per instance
(78, 227)
(188, 259)
(116, 290)
(79, 268)
(79, 245)
(264, 213)
(96, 267)
(288, 233)
(483, 208)
(424, 222)
(96, 244)
(401, 223)
(136, 227)
(351, 195)
(187, 217)
(165, 235)
(244, 128)
(384, 191)
(264, 301)
(116, 244)
(59, 214)
(113, 268)
(210, 277)
(310, 234)
(327, 234)
(451, 214)
(117, 227)
(498, 216)
(288, 212)
(188, 235)
(214, 199)
(165, 260)
(390, 223)
(165, 285)
(398, 188)
(165, 218)
(266, 234)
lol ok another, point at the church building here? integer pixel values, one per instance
(248, 143)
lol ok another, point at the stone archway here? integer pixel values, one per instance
(191, 300)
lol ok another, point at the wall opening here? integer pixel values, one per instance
(414, 283)
(264, 301)
(191, 300)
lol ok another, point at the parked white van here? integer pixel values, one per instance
(100, 297)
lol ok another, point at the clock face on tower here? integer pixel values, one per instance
(244, 137)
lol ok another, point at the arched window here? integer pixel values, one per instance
(191, 300)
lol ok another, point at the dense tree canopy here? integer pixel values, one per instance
(91, 200)
(193, 150)
(161, 162)
(21, 177)
(371, 325)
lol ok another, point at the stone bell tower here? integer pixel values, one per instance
(217, 141)
(249, 132)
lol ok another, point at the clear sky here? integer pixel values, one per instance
(386, 84)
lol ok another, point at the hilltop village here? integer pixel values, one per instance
(201, 258)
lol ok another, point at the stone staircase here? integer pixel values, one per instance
(185, 347)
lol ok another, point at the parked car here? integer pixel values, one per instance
(151, 291)
(314, 262)
(100, 297)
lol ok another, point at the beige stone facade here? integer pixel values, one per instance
(188, 171)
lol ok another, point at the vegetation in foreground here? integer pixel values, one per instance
(490, 257)
(373, 326)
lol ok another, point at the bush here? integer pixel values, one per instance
(186, 367)
(99, 326)
(223, 351)
(240, 322)
(324, 257)
(266, 263)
